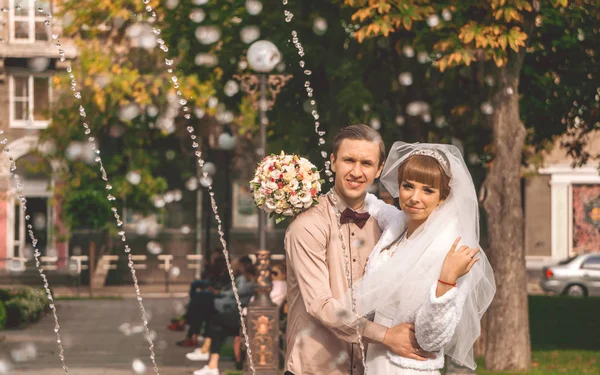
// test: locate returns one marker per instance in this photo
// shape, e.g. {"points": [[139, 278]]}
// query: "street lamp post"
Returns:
{"points": [[263, 56], [227, 143], [263, 314]]}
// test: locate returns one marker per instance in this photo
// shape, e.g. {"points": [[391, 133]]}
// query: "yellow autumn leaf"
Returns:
{"points": [[500, 60], [467, 57], [467, 33], [360, 35], [385, 29], [454, 58], [512, 14], [516, 38], [481, 41], [361, 14], [443, 45], [442, 63], [503, 41], [384, 7], [373, 29], [523, 5]]}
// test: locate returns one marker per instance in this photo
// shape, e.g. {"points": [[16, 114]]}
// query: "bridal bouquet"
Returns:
{"points": [[285, 185]]}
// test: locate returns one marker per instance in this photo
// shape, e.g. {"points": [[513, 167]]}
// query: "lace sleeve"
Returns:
{"points": [[437, 319]]}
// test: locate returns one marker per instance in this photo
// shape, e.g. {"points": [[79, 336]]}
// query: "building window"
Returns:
{"points": [[29, 101], [27, 23]]}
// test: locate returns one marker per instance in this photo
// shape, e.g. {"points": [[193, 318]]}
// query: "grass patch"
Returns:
{"points": [[565, 337]]}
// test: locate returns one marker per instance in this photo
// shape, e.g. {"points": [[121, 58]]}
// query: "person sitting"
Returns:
{"points": [[179, 323], [225, 325], [202, 297]]}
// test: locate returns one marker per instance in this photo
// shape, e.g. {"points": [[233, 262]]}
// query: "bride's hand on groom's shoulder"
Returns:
{"points": [[458, 262], [401, 340]]}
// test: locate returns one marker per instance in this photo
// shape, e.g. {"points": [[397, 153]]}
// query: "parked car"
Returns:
{"points": [[577, 276]]}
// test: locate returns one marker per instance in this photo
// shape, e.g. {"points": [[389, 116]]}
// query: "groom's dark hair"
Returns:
{"points": [[359, 132]]}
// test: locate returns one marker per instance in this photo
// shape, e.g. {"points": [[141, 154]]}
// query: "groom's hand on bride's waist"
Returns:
{"points": [[401, 340]]}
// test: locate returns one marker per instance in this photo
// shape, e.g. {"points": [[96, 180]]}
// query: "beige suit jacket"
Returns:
{"points": [[321, 334]]}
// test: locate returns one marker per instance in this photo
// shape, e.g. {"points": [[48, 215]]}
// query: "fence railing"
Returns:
{"points": [[107, 269]]}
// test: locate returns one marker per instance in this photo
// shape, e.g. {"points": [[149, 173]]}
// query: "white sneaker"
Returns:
{"points": [[207, 371], [197, 355]]}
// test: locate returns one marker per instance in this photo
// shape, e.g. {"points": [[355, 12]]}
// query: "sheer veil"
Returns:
{"points": [[416, 264]]}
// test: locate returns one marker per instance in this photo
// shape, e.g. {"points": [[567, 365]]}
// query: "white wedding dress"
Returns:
{"points": [[400, 281], [435, 318]]}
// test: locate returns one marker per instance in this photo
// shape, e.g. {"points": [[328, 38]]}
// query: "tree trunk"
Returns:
{"points": [[481, 343], [508, 342]]}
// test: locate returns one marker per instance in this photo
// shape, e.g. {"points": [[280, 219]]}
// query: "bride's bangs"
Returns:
{"points": [[425, 170]]}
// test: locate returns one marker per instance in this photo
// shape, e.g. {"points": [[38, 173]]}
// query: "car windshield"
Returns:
{"points": [[567, 261]]}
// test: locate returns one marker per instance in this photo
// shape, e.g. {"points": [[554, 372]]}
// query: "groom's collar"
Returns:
{"points": [[342, 205]]}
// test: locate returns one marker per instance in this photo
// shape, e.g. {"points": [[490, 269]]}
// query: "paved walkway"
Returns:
{"points": [[94, 335]]}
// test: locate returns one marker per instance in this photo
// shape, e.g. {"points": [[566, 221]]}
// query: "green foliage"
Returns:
{"points": [[5, 295], [2, 315], [25, 305], [565, 336], [558, 81], [112, 73], [338, 65], [562, 322], [83, 202], [560, 78], [555, 362], [21, 311]]}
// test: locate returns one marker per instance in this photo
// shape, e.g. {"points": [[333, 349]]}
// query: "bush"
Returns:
{"points": [[2, 315], [25, 305], [5, 295], [21, 310]]}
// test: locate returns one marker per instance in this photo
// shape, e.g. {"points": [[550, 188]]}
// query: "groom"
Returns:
{"points": [[321, 334]]}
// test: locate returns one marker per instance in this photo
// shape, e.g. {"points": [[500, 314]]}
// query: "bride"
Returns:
{"points": [[412, 278]]}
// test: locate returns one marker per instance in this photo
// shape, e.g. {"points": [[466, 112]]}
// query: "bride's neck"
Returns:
{"points": [[413, 225]]}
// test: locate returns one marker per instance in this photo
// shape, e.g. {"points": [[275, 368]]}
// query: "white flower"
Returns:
{"points": [[270, 204], [288, 212], [305, 197], [275, 174], [272, 186], [295, 200], [288, 173], [279, 195], [308, 204], [293, 184]]}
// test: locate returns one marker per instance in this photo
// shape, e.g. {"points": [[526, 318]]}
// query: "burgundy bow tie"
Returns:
{"points": [[351, 216]]}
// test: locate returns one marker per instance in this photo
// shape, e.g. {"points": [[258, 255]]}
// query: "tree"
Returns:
{"points": [[331, 53], [490, 38], [125, 105]]}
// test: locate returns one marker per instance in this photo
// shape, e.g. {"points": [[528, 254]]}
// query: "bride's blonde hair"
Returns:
{"points": [[426, 170]]}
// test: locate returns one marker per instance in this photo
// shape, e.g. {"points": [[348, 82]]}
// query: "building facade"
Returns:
{"points": [[28, 60], [562, 208]]}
